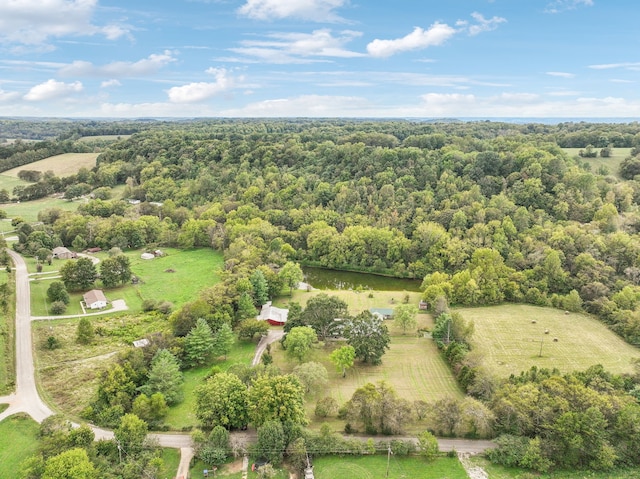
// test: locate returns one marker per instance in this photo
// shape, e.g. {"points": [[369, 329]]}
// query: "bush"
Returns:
{"points": [[57, 307], [326, 406], [149, 305], [52, 343], [165, 307]]}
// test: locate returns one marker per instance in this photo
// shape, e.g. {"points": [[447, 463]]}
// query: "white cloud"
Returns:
{"points": [[561, 74], [557, 6], [110, 83], [419, 39], [299, 47], [52, 89], [305, 105], [8, 96], [146, 66], [200, 91], [484, 24], [634, 66], [312, 10], [564, 93], [619, 80], [33, 22]]}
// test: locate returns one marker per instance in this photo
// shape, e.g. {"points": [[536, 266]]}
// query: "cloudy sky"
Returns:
{"points": [[320, 58]]}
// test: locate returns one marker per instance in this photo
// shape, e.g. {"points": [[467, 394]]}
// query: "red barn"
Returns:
{"points": [[275, 316]]}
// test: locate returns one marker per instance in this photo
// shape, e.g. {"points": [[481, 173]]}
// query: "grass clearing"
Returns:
{"points": [[28, 210], [68, 376], [508, 340], [18, 441], [612, 163], [103, 138], [171, 459], [62, 165], [232, 470], [370, 467], [8, 182]]}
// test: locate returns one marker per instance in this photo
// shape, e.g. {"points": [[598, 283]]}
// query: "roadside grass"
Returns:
{"points": [[369, 467], [18, 441], [3, 407], [508, 340], [28, 210], [62, 165], [182, 416], [6, 228], [495, 471], [612, 163], [413, 365], [171, 459], [68, 376], [40, 304], [7, 334]]}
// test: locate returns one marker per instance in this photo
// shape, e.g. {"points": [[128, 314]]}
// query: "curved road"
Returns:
{"points": [[26, 398]]}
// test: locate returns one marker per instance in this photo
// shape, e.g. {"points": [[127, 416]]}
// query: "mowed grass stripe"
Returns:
{"points": [[510, 342]]}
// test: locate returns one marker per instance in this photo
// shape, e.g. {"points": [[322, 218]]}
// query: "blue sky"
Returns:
{"points": [[320, 58]]}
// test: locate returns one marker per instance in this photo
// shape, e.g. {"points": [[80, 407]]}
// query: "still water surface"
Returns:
{"points": [[321, 278]]}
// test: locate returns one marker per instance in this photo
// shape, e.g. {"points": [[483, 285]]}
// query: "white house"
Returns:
{"points": [[275, 316], [95, 299]]}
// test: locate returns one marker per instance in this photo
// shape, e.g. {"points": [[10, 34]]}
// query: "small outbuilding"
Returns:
{"points": [[384, 313], [60, 252], [423, 305], [95, 299], [274, 316]]}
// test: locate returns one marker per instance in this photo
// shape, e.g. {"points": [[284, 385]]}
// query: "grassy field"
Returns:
{"points": [[510, 342], [62, 165], [232, 470], [28, 210], [612, 163], [499, 472], [18, 440], [370, 467], [68, 376], [8, 182], [103, 138]]}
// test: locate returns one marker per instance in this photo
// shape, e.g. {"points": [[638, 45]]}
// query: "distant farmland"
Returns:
{"points": [[509, 341], [62, 165], [612, 163]]}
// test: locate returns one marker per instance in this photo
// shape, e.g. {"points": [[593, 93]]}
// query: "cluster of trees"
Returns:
{"points": [[583, 420], [70, 452]]}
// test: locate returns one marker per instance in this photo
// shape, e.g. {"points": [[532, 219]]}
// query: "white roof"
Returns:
{"points": [[271, 312]]}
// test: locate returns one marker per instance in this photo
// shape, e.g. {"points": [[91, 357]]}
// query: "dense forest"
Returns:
{"points": [[482, 212]]}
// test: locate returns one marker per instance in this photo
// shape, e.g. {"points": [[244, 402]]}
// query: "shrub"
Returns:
{"points": [[149, 305], [52, 343], [57, 307], [326, 406]]}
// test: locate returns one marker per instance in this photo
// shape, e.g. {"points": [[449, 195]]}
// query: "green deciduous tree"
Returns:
{"points": [[71, 464], [57, 292], [249, 328], [131, 434], [222, 400], [428, 446], [278, 398], [321, 313], [404, 316], [150, 409], [299, 341], [291, 274], [368, 336], [271, 441], [115, 270], [313, 376], [343, 358], [78, 274]]}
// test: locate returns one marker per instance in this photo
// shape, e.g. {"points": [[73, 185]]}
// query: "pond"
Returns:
{"points": [[321, 278]]}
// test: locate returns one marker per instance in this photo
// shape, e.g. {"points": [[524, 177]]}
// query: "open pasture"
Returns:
{"points": [[62, 165], [612, 163], [8, 182], [28, 210], [510, 338], [18, 440]]}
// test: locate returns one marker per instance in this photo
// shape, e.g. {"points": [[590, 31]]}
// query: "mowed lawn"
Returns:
{"points": [[510, 342], [28, 210], [372, 467], [62, 165], [8, 182], [18, 441]]}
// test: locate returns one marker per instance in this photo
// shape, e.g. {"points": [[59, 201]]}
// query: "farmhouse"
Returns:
{"points": [[61, 252], [95, 299], [384, 313], [274, 316]]}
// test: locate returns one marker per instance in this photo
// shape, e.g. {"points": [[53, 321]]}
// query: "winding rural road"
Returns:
{"points": [[26, 398]]}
